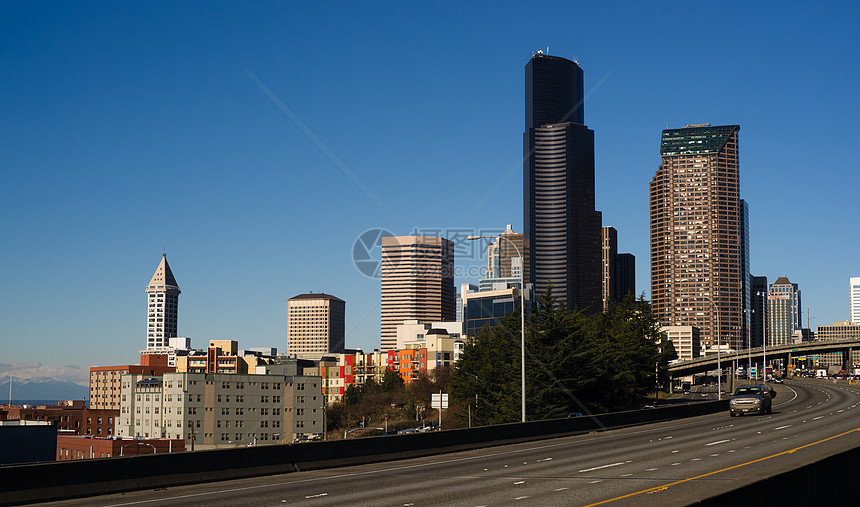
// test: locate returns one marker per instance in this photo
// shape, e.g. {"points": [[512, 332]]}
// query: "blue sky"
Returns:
{"points": [[135, 129]]}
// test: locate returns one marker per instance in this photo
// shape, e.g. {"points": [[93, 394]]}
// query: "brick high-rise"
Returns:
{"points": [[696, 233]]}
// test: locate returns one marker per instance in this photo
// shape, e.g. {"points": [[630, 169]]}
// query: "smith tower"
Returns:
{"points": [[561, 228], [162, 299]]}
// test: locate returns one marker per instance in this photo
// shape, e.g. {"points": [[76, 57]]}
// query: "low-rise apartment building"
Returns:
{"points": [[216, 409]]}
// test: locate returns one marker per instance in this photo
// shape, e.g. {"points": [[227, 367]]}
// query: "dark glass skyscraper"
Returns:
{"points": [[561, 228]]}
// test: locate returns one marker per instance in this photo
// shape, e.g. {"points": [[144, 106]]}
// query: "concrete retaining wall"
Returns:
{"points": [[82, 478]]}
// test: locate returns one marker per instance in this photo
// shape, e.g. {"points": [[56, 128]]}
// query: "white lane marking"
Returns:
{"points": [[714, 455], [520, 482], [520, 498], [840, 411], [626, 475], [718, 442], [675, 464], [603, 466], [651, 469], [696, 459], [317, 496], [667, 438], [594, 482], [673, 452], [560, 489], [817, 418], [782, 427]]}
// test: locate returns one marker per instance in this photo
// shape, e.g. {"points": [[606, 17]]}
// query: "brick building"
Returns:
{"points": [[87, 447], [68, 415]]}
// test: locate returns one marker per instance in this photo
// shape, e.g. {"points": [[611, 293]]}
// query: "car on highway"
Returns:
{"points": [[751, 398]]}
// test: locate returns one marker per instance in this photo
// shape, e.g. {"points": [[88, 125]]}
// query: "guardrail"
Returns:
{"points": [[82, 478]]}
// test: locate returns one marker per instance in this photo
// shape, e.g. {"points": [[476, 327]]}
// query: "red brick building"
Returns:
{"points": [[68, 415], [86, 447]]}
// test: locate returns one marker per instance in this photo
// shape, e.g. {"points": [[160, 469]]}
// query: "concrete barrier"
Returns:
{"points": [[82, 478]]}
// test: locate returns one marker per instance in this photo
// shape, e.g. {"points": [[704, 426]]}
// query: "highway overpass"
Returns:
{"points": [[743, 358]]}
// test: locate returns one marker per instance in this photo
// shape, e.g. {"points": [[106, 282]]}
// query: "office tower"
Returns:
{"points": [[465, 288], [744, 215], [696, 233], [625, 271], [619, 270], [162, 306], [610, 251], [784, 316], [504, 259], [854, 295], [417, 283], [489, 307], [758, 310], [315, 323], [561, 228]]}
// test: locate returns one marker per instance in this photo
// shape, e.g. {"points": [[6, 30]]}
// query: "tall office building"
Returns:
{"points": [[746, 290], [784, 315], [854, 298], [315, 323], [619, 270], [696, 233], [561, 228], [758, 310], [417, 283], [162, 299]]}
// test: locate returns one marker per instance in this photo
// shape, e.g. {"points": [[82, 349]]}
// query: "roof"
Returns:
{"points": [[318, 295], [696, 139], [782, 281], [436, 330], [163, 275]]}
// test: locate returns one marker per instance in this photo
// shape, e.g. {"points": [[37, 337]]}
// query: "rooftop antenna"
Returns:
{"points": [[547, 50]]}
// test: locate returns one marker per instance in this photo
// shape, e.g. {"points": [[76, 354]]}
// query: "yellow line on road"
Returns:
{"points": [[667, 486]]}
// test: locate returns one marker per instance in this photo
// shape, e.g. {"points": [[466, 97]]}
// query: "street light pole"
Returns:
{"points": [[522, 318]]}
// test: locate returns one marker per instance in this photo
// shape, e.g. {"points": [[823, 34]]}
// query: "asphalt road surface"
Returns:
{"points": [[672, 463]]}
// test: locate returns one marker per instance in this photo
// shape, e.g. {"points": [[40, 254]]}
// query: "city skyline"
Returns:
{"points": [[234, 140]]}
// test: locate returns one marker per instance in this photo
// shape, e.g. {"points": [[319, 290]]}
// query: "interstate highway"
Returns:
{"points": [[670, 463]]}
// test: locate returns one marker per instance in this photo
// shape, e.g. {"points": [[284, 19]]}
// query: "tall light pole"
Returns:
{"points": [[764, 343], [522, 317]]}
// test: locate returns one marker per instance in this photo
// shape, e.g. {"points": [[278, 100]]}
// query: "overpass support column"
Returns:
{"points": [[846, 360]]}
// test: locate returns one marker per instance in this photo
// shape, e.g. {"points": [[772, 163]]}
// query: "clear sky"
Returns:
{"points": [[133, 129]]}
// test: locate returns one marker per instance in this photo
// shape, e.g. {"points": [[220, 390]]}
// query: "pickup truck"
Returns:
{"points": [[753, 398]]}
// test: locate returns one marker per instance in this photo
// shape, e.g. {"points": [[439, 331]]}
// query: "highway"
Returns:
{"points": [[670, 463]]}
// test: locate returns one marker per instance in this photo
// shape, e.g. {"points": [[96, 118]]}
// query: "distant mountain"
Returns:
{"points": [[43, 390]]}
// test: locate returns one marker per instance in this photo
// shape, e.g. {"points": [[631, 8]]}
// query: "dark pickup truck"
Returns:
{"points": [[754, 398]]}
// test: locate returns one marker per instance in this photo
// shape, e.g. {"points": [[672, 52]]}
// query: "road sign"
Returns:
{"points": [[439, 400]]}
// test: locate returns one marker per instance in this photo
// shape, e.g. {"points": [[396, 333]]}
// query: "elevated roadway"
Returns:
{"points": [[671, 463], [745, 357]]}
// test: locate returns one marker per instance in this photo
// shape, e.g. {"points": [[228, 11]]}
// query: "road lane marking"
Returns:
{"points": [[817, 418], [651, 469], [603, 466], [521, 498], [782, 427], [759, 460], [560, 489], [317, 496], [718, 442]]}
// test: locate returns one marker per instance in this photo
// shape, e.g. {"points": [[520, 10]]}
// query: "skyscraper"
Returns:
{"points": [[854, 298], [315, 323], [758, 310], [784, 315], [417, 283], [696, 233], [561, 228], [162, 306]]}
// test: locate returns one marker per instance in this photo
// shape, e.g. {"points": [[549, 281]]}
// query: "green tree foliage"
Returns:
{"points": [[574, 362], [391, 381]]}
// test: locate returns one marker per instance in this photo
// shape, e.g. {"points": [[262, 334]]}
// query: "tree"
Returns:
{"points": [[391, 381]]}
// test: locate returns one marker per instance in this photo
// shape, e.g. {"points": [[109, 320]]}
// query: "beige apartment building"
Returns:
{"points": [[221, 410], [315, 324], [696, 251], [840, 330], [685, 339], [417, 283]]}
